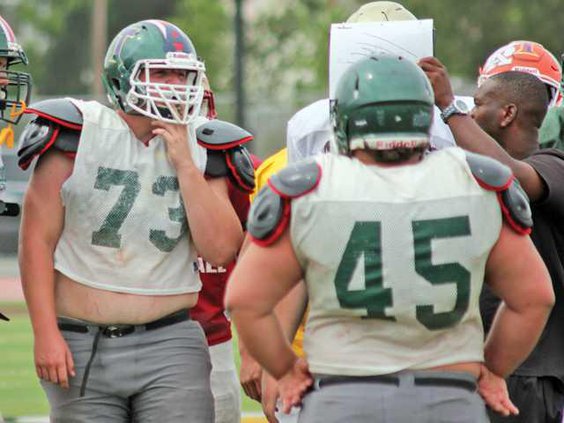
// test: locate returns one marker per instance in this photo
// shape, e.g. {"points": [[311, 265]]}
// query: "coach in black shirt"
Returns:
{"points": [[509, 109]]}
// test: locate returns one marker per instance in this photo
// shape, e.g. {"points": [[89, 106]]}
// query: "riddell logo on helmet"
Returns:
{"points": [[179, 55], [386, 144], [526, 69], [393, 144]]}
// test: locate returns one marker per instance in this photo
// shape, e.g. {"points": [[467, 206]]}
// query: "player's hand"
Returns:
{"points": [[493, 390], [53, 359], [438, 75], [250, 376], [176, 138], [269, 397], [294, 384]]}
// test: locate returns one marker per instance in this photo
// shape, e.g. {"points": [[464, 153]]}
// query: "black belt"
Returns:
{"points": [[117, 331], [419, 380]]}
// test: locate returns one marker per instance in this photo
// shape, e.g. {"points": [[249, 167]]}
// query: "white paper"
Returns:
{"points": [[350, 42]]}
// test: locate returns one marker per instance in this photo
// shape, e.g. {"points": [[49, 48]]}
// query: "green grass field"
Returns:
{"points": [[20, 392]]}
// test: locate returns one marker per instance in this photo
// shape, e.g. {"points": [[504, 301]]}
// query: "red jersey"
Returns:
{"points": [[209, 311]]}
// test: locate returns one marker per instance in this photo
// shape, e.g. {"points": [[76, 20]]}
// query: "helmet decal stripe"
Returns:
{"points": [[7, 30], [161, 25], [122, 38]]}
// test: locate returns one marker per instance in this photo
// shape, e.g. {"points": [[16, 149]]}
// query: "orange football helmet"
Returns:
{"points": [[526, 56]]}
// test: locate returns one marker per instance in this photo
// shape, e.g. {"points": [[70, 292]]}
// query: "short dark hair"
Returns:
{"points": [[526, 91]]}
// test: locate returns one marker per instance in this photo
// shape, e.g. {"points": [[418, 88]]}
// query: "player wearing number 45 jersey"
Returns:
{"points": [[394, 246], [120, 203]]}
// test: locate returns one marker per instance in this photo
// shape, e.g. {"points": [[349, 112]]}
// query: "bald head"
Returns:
{"points": [[524, 90]]}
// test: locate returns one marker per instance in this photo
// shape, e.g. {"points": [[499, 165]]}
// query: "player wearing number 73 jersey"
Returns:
{"points": [[394, 245], [120, 203]]}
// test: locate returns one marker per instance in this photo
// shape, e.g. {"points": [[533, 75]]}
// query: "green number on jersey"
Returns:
{"points": [[158, 237], [107, 235], [365, 242], [424, 231]]}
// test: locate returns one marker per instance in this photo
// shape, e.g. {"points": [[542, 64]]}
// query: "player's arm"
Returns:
{"points": [[470, 136], [214, 225], [252, 296], [516, 273], [52, 138], [289, 311], [41, 227]]}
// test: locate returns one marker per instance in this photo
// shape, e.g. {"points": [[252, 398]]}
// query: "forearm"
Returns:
{"points": [[38, 282], [512, 337], [290, 310], [471, 137], [265, 341], [214, 225]]}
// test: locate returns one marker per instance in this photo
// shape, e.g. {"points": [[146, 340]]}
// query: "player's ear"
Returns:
{"points": [[509, 114]]}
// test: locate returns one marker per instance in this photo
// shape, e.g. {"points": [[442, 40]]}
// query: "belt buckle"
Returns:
{"points": [[114, 331]]}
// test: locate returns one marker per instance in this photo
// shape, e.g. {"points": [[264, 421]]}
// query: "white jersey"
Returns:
{"points": [[394, 261], [309, 131], [125, 225]]}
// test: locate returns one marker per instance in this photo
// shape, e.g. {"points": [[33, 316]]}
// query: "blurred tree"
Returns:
{"points": [[209, 26], [467, 32], [287, 48], [58, 36], [38, 27], [288, 41], [287, 52]]}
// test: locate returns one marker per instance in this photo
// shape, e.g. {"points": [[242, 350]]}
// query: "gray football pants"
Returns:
{"points": [[162, 375], [403, 402]]}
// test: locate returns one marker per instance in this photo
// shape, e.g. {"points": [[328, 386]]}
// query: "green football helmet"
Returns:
{"points": [[153, 45], [15, 87], [384, 102]]}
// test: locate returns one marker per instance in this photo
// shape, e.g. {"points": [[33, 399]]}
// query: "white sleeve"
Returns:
{"points": [[441, 135], [309, 131]]}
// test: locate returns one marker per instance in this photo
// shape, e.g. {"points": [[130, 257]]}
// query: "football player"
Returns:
{"points": [[309, 133], [15, 89], [119, 205], [394, 246]]}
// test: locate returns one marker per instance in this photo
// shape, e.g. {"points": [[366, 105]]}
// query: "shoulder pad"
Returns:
{"points": [[488, 172], [40, 135], [516, 209], [296, 179], [268, 217], [236, 163], [59, 110], [220, 135]]}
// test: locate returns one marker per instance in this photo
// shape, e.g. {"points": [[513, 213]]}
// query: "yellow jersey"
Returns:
{"points": [[269, 167]]}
